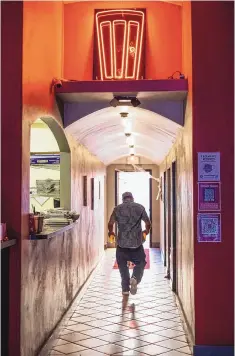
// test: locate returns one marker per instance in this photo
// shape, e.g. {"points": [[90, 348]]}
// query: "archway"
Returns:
{"points": [[50, 167], [103, 133]]}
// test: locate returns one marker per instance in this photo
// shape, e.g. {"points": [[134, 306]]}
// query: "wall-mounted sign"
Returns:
{"points": [[209, 196], [209, 227], [45, 159], [208, 166], [119, 44]]}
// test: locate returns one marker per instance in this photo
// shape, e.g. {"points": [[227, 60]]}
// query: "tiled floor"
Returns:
{"points": [[98, 327]]}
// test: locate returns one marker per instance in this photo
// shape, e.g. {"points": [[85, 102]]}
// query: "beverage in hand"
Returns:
{"points": [[111, 239]]}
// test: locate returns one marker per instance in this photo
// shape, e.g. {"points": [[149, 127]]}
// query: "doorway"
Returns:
{"points": [[164, 203], [140, 185], [168, 224], [173, 264]]}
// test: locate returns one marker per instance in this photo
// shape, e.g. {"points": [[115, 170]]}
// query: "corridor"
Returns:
{"points": [[97, 327]]}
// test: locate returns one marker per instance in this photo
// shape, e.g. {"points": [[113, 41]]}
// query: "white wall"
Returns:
{"points": [[42, 138]]}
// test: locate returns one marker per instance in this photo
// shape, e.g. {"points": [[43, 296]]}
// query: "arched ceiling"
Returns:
{"points": [[102, 132]]}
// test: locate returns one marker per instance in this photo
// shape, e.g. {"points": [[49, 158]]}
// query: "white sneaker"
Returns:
{"points": [[133, 285]]}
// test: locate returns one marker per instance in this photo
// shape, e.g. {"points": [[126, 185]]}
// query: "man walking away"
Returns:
{"points": [[128, 217]]}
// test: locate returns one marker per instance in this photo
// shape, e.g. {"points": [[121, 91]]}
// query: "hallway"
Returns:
{"points": [[96, 326]]}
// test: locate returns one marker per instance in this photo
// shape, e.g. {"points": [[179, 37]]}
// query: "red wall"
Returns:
{"points": [[163, 43], [11, 155], [213, 130]]}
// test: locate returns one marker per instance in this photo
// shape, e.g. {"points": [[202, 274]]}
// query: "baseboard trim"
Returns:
{"points": [[205, 350], [155, 244]]}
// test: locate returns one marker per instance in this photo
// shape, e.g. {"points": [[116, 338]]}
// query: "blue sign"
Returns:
{"points": [[45, 159]]}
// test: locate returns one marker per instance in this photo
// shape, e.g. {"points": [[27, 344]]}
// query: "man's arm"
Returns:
{"points": [[145, 218], [112, 220]]}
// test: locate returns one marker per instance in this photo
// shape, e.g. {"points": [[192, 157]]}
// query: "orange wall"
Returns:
{"points": [[163, 38], [42, 50], [43, 60]]}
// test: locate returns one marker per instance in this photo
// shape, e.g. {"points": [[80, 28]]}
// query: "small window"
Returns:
{"points": [[92, 193], [84, 190]]}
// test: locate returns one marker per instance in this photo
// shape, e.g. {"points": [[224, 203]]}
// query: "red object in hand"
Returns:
{"points": [[3, 231]]}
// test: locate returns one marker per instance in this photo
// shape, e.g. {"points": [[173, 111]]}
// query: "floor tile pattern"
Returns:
{"points": [[149, 326]]}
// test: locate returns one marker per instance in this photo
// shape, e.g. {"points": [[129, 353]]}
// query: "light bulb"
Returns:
{"points": [[128, 126], [132, 150], [123, 109], [130, 141]]}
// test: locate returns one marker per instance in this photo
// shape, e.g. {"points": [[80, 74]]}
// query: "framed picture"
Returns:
{"points": [[48, 188], [92, 193], [84, 187]]}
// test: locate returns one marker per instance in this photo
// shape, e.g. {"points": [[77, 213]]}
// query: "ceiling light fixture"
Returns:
{"points": [[124, 114], [130, 140], [132, 150], [127, 100]]}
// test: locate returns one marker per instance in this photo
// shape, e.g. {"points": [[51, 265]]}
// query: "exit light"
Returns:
{"points": [[119, 44]]}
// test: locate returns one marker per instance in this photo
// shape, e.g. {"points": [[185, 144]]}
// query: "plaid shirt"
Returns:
{"points": [[128, 216]]}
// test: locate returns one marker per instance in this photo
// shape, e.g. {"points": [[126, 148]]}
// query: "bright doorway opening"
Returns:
{"points": [[138, 183]]}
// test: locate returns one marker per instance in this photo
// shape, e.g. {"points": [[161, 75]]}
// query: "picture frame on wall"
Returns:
{"points": [[84, 187], [92, 192]]}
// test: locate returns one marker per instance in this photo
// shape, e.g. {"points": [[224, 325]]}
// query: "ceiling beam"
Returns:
{"points": [[178, 3]]}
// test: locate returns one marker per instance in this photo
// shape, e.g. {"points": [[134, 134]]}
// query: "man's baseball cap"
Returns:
{"points": [[127, 195]]}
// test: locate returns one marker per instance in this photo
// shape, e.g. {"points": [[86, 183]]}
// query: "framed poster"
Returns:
{"points": [[208, 166], [92, 192], [209, 196], [48, 188], [209, 227], [84, 187]]}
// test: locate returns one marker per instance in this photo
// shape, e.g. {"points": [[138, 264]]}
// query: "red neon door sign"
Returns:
{"points": [[119, 43]]}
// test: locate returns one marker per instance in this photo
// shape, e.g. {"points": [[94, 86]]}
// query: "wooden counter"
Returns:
{"points": [[49, 231], [9, 243]]}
